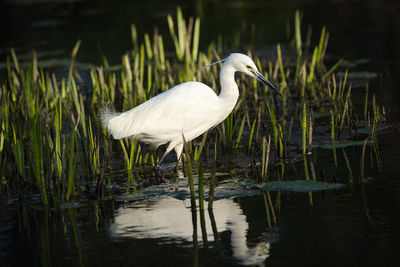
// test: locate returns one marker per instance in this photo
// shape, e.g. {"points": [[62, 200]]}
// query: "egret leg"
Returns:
{"points": [[169, 148], [178, 150]]}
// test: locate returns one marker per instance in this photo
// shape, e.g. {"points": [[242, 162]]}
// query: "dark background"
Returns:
{"points": [[358, 29], [366, 31]]}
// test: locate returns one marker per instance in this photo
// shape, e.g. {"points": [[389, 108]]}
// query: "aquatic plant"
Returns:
{"points": [[51, 141]]}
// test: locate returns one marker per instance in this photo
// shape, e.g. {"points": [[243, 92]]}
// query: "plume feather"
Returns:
{"points": [[209, 65], [106, 115]]}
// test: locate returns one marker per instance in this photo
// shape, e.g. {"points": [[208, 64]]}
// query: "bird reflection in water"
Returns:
{"points": [[170, 219]]}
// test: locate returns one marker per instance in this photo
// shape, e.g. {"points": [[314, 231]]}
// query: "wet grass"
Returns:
{"points": [[51, 141]]}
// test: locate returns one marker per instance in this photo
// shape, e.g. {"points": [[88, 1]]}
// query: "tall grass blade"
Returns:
{"points": [[71, 168]]}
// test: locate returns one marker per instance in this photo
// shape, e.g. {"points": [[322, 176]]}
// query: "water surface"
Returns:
{"points": [[356, 225]]}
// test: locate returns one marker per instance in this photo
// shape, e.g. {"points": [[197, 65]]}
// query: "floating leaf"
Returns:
{"points": [[181, 191], [359, 75], [226, 190], [352, 64], [348, 143], [70, 205], [232, 190], [157, 192], [318, 115], [248, 183], [300, 186], [366, 130]]}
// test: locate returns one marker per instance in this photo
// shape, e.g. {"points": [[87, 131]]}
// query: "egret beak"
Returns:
{"points": [[262, 79]]}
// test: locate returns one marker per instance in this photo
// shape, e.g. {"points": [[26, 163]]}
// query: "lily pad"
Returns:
{"points": [[366, 130], [69, 205], [348, 143], [359, 75], [226, 190], [232, 190], [352, 64], [248, 183], [300, 186], [181, 192], [156, 192], [318, 115]]}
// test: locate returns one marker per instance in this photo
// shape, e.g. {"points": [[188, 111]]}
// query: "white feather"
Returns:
{"points": [[106, 115], [188, 109]]}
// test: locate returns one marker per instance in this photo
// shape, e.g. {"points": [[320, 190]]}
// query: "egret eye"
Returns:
{"points": [[249, 67]]}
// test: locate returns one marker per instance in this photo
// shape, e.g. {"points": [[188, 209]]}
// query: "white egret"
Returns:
{"points": [[186, 110]]}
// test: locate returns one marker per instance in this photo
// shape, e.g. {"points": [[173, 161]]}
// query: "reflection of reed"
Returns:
{"points": [[365, 202], [77, 236], [310, 198], [362, 161], [195, 240], [351, 177], [214, 230], [44, 240], [213, 183]]}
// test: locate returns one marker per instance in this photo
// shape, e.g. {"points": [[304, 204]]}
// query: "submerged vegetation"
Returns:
{"points": [[52, 144]]}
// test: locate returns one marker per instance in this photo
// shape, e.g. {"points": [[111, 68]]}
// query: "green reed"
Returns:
{"points": [[282, 73], [182, 38], [304, 128], [19, 154], [199, 149], [322, 46], [201, 186], [71, 168], [58, 141], [266, 149], [228, 130], [189, 173], [37, 157], [299, 48], [129, 158], [62, 115], [273, 121], [251, 135]]}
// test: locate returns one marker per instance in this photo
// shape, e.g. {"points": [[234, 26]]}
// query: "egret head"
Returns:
{"points": [[245, 64]]}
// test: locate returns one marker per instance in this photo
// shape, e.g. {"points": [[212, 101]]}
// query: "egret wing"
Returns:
{"points": [[165, 117]]}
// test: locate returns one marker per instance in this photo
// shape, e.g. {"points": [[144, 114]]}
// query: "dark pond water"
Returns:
{"points": [[353, 226], [357, 225]]}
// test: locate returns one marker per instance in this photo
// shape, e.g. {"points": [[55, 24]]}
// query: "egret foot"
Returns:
{"points": [[165, 166]]}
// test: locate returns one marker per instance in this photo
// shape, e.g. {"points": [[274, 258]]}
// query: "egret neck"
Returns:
{"points": [[229, 90]]}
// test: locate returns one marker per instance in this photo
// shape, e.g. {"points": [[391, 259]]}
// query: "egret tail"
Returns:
{"points": [[106, 114]]}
